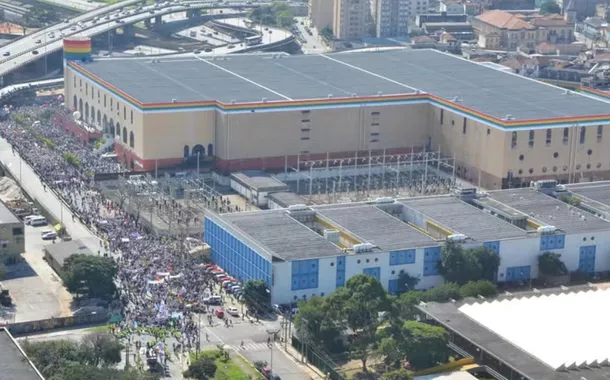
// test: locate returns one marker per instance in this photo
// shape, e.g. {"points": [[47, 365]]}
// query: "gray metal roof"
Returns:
{"points": [[550, 211], [449, 316], [282, 235], [14, 365], [259, 180], [493, 92], [61, 251], [599, 192], [250, 78], [287, 198], [377, 227], [7, 216], [464, 218]]}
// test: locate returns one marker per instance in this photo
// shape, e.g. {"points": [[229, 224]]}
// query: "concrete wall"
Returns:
{"points": [[12, 240]]}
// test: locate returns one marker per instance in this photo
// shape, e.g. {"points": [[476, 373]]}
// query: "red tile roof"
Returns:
{"points": [[504, 20]]}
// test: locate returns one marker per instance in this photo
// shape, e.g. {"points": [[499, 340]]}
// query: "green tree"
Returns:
{"points": [[327, 33], [442, 293], [399, 374], [478, 288], [100, 349], [461, 265], [550, 264], [256, 296], [424, 345], [360, 302], [317, 321], [203, 368], [549, 6], [406, 282], [403, 307], [91, 275]]}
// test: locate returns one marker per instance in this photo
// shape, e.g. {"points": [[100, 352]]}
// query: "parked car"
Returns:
{"points": [[233, 311], [6, 53], [220, 313], [213, 300], [49, 235]]}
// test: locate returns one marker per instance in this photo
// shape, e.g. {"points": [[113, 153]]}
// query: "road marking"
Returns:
{"points": [[214, 335], [243, 78]]}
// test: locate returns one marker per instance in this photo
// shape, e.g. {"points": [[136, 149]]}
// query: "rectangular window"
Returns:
{"points": [[304, 138], [305, 118], [549, 136], [513, 140], [600, 132], [74, 84], [442, 116], [374, 118], [111, 105], [583, 135], [124, 113], [305, 129], [531, 139], [464, 126], [566, 133], [131, 116], [86, 89], [17, 231], [402, 257], [104, 100], [80, 83]]}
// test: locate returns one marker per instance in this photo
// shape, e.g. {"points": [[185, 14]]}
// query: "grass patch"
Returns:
{"points": [[228, 368], [100, 328]]}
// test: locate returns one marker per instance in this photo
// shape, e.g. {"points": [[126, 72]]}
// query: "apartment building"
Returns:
{"points": [[350, 19], [321, 13], [391, 16]]}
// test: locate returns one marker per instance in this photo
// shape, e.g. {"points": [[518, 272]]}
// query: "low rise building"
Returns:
{"points": [[14, 363], [502, 30], [12, 237], [304, 251]]}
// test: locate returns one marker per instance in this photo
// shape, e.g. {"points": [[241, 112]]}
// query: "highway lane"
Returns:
{"points": [[23, 46], [31, 48]]}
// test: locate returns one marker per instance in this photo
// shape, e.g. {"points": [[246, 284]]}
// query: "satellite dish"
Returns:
{"points": [[76, 115]]}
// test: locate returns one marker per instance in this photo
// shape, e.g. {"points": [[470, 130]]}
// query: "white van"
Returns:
{"points": [[38, 221]]}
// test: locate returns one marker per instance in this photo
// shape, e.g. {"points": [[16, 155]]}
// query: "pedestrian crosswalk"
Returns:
{"points": [[253, 346]]}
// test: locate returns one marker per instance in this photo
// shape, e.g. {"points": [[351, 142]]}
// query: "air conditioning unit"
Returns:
{"points": [[382, 200], [457, 237], [299, 207], [544, 230], [362, 248]]}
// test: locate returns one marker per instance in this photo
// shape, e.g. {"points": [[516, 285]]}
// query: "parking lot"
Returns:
{"points": [[37, 291]]}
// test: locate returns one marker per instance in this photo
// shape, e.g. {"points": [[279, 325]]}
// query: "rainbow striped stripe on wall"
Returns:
{"points": [[77, 49]]}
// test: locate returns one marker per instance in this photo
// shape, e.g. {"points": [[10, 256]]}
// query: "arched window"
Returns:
{"points": [[80, 107], [198, 151], [131, 116], [131, 138], [99, 117], [86, 110], [75, 104], [92, 113], [118, 128], [124, 135], [186, 152], [210, 149]]}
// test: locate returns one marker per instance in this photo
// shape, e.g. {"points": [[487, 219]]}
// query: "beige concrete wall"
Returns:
{"points": [[252, 135], [166, 134], [11, 244], [117, 111], [480, 147], [561, 158]]}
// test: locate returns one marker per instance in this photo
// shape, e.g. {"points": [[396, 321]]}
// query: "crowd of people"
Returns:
{"points": [[158, 280]]}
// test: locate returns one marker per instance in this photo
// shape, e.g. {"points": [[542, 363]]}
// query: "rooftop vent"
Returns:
{"points": [[457, 237], [382, 200], [362, 248], [545, 230], [174, 100]]}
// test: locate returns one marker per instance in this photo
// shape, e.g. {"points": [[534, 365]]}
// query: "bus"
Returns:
{"points": [[254, 40]]}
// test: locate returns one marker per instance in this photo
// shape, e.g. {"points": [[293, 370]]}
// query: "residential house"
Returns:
{"points": [[573, 49], [524, 32]]}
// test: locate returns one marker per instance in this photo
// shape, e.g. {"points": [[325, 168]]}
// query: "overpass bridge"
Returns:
{"points": [[46, 41]]}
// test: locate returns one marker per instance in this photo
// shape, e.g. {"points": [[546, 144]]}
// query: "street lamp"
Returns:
{"points": [[272, 332]]}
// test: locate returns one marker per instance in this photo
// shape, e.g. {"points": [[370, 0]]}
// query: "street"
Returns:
{"points": [[254, 335]]}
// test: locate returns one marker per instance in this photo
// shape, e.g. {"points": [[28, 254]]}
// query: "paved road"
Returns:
{"points": [[23, 173], [49, 40]]}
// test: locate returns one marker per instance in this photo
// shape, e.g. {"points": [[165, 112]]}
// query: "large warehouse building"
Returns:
{"points": [[305, 251], [263, 111]]}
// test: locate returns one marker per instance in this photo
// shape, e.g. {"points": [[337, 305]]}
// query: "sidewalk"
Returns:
{"points": [[295, 356], [32, 185]]}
